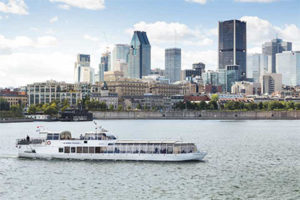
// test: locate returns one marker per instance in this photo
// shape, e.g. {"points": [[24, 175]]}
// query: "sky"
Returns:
{"points": [[39, 39]]}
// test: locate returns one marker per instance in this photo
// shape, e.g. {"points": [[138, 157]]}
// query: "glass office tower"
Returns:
{"points": [[139, 58], [173, 64], [233, 45]]}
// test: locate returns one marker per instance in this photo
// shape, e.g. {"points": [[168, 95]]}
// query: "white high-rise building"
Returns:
{"points": [[83, 73], [288, 64], [173, 64], [119, 55]]}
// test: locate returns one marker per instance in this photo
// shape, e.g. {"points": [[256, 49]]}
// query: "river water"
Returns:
{"points": [[246, 160]]}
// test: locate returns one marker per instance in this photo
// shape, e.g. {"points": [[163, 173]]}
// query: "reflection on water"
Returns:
{"points": [[246, 159]]}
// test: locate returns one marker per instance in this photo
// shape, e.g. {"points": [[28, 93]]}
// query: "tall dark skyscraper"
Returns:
{"points": [[273, 47], [233, 45], [139, 58]]}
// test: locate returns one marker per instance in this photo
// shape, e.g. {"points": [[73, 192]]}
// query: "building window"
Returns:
{"points": [[60, 150], [72, 149]]}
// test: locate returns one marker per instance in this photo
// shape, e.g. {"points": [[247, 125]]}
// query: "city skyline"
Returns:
{"points": [[41, 39]]}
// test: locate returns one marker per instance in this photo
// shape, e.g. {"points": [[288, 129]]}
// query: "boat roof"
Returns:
{"points": [[152, 142]]}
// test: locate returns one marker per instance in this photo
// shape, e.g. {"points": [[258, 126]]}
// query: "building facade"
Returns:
{"points": [[139, 58], [253, 66], [120, 55], [272, 48], [288, 64], [233, 45], [46, 92], [105, 61], [83, 73], [173, 64], [271, 83], [242, 87]]}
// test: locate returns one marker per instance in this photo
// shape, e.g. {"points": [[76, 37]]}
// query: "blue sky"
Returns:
{"points": [[39, 39]]}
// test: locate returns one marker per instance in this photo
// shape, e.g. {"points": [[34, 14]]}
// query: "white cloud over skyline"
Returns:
{"points": [[25, 59], [85, 4], [14, 7]]}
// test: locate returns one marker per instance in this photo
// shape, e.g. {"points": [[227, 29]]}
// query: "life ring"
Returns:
{"points": [[48, 142]]}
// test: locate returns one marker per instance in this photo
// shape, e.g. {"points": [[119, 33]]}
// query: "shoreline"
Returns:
{"points": [[198, 115]]}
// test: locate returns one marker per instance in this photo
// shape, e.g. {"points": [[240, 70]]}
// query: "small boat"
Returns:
{"points": [[100, 145]]}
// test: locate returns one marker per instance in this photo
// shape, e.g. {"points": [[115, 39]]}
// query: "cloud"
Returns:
{"points": [[19, 69], [256, 1], [163, 32], [8, 45], [260, 31], [64, 6], [197, 1], [85, 4], [53, 19], [91, 38], [14, 7]]}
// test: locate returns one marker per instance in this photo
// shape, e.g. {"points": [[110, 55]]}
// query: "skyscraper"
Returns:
{"points": [[139, 59], [273, 47], [173, 64], [253, 66], [288, 64], [120, 55], [105, 61], [233, 45], [83, 73]]}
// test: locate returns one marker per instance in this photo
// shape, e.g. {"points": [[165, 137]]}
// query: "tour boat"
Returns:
{"points": [[100, 145]]}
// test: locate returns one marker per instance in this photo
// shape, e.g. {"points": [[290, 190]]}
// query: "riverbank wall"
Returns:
{"points": [[15, 120], [201, 115]]}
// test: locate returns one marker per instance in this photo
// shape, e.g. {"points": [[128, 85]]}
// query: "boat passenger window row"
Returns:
{"points": [[133, 148], [51, 136]]}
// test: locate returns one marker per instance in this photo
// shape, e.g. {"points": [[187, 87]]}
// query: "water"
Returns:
{"points": [[246, 160]]}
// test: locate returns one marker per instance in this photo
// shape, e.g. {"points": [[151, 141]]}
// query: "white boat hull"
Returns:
{"points": [[46, 153]]}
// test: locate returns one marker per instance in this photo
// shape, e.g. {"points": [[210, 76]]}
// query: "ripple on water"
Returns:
{"points": [[246, 160]]}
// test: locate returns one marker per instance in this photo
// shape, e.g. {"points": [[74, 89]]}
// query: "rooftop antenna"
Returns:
{"points": [[175, 38]]}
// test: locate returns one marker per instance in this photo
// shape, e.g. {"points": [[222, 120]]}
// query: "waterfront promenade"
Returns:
{"points": [[201, 115]]}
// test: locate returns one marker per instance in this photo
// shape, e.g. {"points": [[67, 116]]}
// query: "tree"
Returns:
{"points": [[214, 97], [212, 105], [120, 107], [32, 109], [111, 107], [202, 105], [4, 105], [139, 106]]}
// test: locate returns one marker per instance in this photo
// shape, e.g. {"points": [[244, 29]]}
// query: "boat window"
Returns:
{"points": [[60, 150], [110, 149], [49, 136], [143, 148], [102, 149], [97, 150], [156, 148], [117, 150], [85, 150], [56, 137], [122, 148], [163, 148], [72, 149], [91, 149], [177, 149], [67, 149], [170, 149], [151, 148], [136, 148], [129, 148], [79, 149]]}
